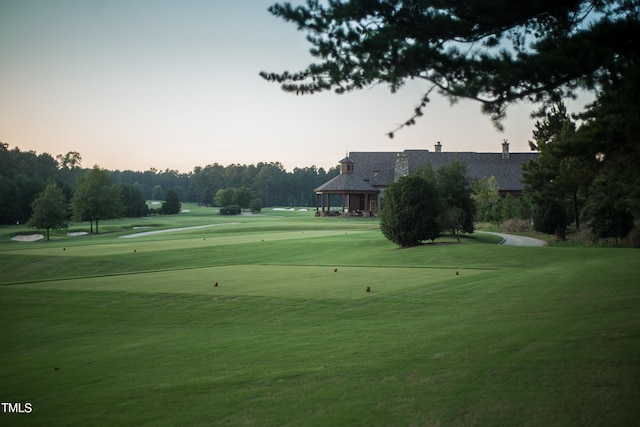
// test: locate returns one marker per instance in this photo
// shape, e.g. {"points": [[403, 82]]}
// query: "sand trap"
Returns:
{"points": [[27, 237], [77, 233], [169, 230]]}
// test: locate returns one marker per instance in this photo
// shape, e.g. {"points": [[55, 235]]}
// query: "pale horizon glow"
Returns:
{"points": [[175, 85]]}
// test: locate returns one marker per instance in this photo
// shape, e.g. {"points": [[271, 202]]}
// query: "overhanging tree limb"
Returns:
{"points": [[494, 51]]}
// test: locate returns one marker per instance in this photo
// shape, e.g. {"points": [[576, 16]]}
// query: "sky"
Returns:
{"points": [[141, 84]]}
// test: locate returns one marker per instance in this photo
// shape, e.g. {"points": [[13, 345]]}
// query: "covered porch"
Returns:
{"points": [[363, 204]]}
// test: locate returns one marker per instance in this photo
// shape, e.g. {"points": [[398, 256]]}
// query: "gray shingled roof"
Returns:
{"points": [[377, 168], [346, 183]]}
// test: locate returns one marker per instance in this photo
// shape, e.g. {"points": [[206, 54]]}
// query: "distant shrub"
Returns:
{"points": [[230, 210], [255, 205], [515, 225], [634, 237]]}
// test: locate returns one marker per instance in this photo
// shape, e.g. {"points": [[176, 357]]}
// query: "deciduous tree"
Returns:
{"points": [[133, 202], [455, 198], [49, 210], [96, 198], [486, 195]]}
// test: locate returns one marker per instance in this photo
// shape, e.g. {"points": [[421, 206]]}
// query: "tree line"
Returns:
{"points": [[24, 175]]}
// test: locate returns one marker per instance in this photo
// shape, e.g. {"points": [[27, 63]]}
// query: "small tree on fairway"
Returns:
{"points": [[255, 205], [410, 211], [455, 196], [96, 197], [242, 197], [225, 197], [172, 204], [49, 210]]}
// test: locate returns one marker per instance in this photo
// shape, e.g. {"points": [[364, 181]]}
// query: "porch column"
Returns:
{"points": [[366, 204]]}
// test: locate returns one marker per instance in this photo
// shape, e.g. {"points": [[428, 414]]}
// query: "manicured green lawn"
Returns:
{"points": [[103, 330]]}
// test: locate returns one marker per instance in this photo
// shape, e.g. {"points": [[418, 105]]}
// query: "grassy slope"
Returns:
{"points": [[521, 336]]}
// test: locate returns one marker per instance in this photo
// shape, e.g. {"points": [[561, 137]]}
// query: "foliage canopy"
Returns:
{"points": [[96, 197], [172, 203], [410, 211], [49, 210], [496, 52]]}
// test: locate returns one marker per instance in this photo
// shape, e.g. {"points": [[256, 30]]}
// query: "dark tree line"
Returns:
{"points": [[270, 182], [24, 175], [587, 168]]}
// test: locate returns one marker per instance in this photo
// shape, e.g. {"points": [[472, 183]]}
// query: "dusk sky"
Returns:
{"points": [[136, 84]]}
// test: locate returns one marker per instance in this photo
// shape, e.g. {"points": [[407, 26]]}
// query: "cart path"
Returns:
{"points": [[169, 230], [513, 240]]}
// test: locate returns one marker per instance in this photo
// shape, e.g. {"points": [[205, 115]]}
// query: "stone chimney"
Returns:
{"points": [[438, 147], [402, 166], [505, 149]]}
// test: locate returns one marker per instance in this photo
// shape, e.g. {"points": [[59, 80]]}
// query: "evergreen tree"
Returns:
{"points": [[495, 52], [607, 211], [172, 203], [410, 211], [557, 176]]}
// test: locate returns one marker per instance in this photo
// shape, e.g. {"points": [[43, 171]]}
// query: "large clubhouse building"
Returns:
{"points": [[364, 175]]}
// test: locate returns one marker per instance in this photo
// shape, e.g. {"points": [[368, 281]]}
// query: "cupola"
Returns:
{"points": [[347, 166]]}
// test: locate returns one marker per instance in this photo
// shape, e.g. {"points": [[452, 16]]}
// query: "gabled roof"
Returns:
{"points": [[346, 183], [378, 168]]}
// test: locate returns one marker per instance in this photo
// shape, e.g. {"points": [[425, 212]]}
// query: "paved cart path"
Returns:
{"points": [[513, 240]]}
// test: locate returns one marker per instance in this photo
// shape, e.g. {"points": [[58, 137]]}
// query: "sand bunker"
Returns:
{"points": [[27, 237]]}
